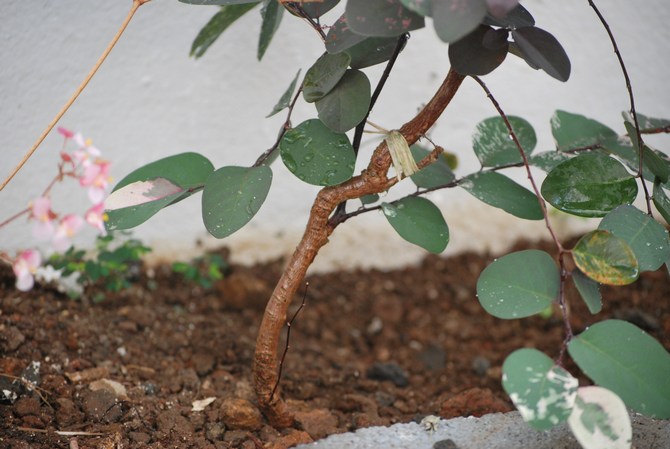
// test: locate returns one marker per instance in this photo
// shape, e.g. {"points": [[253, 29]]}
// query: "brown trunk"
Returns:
{"points": [[373, 180]]}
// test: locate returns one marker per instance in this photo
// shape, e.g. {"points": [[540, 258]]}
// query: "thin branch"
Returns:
{"points": [[64, 433], [629, 88], [285, 127], [297, 9], [660, 130], [545, 214], [289, 323], [79, 90]]}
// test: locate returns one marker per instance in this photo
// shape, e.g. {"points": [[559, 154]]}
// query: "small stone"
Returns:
{"points": [[203, 363], [445, 444], [101, 406], [433, 357], [235, 437], [241, 414], [317, 423], [11, 338], [214, 431], [88, 375], [480, 365], [140, 437], [114, 387], [292, 438], [172, 421], [27, 406], [67, 413], [388, 371]]}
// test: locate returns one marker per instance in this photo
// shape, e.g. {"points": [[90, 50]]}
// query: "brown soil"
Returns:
{"points": [[369, 348]]}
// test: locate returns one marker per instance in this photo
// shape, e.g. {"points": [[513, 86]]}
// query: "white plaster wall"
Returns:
{"points": [[151, 100]]}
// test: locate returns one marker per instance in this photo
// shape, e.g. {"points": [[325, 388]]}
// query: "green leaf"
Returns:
{"points": [[548, 160], [657, 163], [436, 174], [232, 196], [600, 419], [271, 13], [316, 9], [317, 155], [340, 37], [606, 258], [217, 25], [647, 238], [651, 123], [589, 290], [589, 185], [623, 358], [422, 7], [518, 284], [576, 131], [218, 2], [187, 170], [454, 19], [493, 145], [661, 201], [544, 393], [285, 99], [381, 18], [499, 191], [371, 51], [516, 18], [479, 52], [324, 75], [346, 105], [540, 48], [369, 199], [418, 221]]}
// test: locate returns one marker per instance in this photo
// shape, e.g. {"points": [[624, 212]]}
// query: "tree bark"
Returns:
{"points": [[372, 180]]}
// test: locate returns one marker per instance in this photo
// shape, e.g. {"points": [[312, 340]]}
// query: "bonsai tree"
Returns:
{"points": [[594, 172]]}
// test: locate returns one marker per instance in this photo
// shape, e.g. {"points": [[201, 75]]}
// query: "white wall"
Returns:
{"points": [[151, 100]]}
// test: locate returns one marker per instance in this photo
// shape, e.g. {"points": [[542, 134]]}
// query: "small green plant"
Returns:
{"points": [[204, 270], [112, 266]]}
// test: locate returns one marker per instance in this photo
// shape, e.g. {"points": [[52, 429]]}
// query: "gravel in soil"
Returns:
{"points": [[369, 348]]}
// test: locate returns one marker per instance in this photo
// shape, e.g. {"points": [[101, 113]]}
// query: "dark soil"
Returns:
{"points": [[369, 348]]}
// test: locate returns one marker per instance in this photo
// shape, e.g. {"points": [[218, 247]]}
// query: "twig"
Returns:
{"points": [[77, 92], [64, 433], [285, 127], [288, 338], [629, 88], [545, 214]]}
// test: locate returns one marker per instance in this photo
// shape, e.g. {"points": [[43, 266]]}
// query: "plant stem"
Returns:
{"points": [[285, 127], [629, 88], [77, 92], [370, 181]]}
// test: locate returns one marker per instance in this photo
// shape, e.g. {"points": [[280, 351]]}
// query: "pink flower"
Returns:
{"points": [[67, 228], [96, 178], [65, 132], [97, 217], [24, 266], [86, 153], [43, 215]]}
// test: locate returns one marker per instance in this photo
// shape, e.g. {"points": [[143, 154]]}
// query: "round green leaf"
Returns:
{"points": [[382, 18], [317, 9], [324, 75], [317, 155], [436, 174], [480, 52], [340, 37], [548, 160], [516, 18], [647, 237], [501, 192], [543, 392], [423, 7], [493, 145], [346, 105], [600, 420], [232, 196], [454, 19], [373, 50], [606, 258], [518, 284], [589, 290], [542, 49], [418, 221], [589, 185], [576, 131], [623, 358]]}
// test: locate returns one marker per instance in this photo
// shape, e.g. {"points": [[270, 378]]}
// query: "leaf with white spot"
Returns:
{"points": [[600, 420], [141, 192], [544, 393]]}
